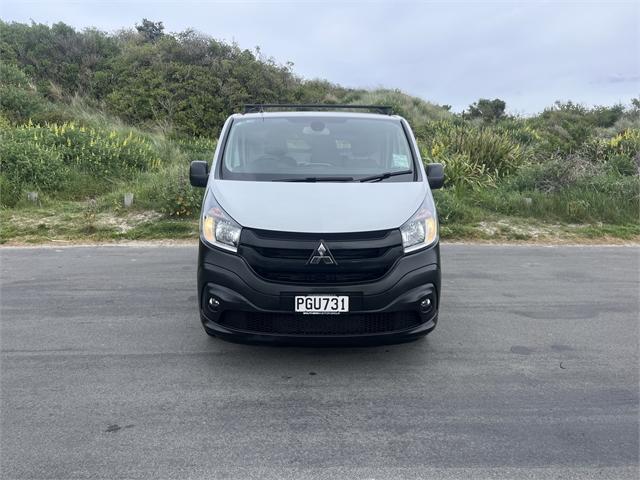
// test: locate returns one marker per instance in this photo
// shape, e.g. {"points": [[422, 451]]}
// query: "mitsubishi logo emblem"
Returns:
{"points": [[321, 255]]}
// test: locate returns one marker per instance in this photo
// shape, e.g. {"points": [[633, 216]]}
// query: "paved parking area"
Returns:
{"points": [[531, 373]]}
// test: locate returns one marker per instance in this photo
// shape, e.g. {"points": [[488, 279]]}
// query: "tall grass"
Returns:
{"points": [[603, 199], [414, 109]]}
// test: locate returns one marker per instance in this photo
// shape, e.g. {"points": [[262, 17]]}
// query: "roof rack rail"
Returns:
{"points": [[261, 107]]}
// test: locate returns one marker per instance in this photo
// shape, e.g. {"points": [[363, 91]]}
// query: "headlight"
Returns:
{"points": [[217, 227], [421, 230]]}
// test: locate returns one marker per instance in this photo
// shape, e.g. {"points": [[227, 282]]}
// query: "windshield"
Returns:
{"points": [[306, 148]]}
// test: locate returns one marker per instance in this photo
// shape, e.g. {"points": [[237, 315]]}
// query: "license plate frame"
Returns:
{"points": [[321, 304]]}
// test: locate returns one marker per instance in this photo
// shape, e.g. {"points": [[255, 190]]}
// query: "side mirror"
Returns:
{"points": [[199, 173], [435, 175]]}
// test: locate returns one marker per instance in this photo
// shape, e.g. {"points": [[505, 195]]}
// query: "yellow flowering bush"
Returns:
{"points": [[100, 152], [626, 143], [43, 156]]}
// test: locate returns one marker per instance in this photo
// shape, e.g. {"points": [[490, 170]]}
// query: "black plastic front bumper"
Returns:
{"points": [[240, 291]]}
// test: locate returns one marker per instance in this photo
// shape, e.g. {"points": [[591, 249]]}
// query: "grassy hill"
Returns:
{"points": [[86, 117]]}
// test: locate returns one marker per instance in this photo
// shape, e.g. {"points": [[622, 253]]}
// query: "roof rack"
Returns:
{"points": [[261, 107]]}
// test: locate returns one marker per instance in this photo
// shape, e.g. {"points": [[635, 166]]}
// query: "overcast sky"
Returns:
{"points": [[527, 53]]}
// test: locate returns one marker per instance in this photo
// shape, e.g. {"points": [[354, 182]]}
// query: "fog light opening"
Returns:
{"points": [[426, 304], [214, 303]]}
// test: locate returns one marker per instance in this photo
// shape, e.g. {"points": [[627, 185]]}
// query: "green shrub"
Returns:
{"points": [[168, 191], [178, 198], [555, 174], [50, 113], [472, 156], [463, 171], [563, 129], [623, 152], [11, 75], [487, 110], [19, 99], [454, 206], [517, 130], [27, 162], [196, 148], [10, 192], [623, 165], [19, 104]]}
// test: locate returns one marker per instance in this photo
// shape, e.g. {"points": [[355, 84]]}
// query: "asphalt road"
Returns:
{"points": [[531, 373]]}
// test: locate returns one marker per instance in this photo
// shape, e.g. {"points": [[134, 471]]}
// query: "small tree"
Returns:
{"points": [[488, 110], [151, 31], [635, 106]]}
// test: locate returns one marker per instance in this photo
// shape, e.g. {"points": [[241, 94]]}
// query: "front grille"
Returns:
{"points": [[307, 277], [282, 256], [298, 324]]}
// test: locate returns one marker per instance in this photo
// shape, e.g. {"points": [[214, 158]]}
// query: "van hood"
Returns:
{"points": [[319, 207]]}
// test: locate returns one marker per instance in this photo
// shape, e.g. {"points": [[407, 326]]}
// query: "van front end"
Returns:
{"points": [[252, 295]]}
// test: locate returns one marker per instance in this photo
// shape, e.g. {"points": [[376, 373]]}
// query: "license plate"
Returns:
{"points": [[322, 304]]}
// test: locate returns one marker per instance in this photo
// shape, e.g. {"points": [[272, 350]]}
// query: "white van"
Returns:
{"points": [[318, 225]]}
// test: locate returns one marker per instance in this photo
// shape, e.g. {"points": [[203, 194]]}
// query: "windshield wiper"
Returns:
{"points": [[315, 179], [382, 176]]}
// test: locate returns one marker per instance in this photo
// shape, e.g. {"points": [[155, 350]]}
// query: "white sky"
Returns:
{"points": [[453, 52]]}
